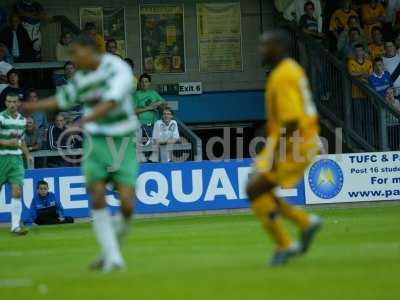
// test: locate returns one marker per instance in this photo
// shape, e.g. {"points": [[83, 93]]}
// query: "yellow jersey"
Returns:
{"points": [[339, 19], [289, 99], [369, 14], [376, 51], [353, 66]]}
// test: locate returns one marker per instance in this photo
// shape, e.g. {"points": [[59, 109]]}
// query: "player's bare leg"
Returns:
{"points": [[265, 207], [16, 210], [103, 228]]}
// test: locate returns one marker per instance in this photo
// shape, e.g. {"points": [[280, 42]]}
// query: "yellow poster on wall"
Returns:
{"points": [[220, 37]]}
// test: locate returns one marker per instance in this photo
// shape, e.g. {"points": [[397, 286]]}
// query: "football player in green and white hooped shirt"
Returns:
{"points": [[104, 87], [12, 146]]}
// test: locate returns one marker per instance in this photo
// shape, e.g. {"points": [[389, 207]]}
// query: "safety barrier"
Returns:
{"points": [[207, 185]]}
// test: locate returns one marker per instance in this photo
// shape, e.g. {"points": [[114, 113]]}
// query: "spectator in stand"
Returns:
{"points": [[380, 80], [17, 40], [282, 5], [373, 14], [33, 138], [391, 98], [90, 28], [147, 103], [5, 67], [58, 139], [165, 132], [308, 21], [344, 36], [13, 87], [348, 49], [46, 209], [69, 72], [397, 43], [296, 10], [63, 48], [393, 125], [376, 48], [63, 53], [3, 18], [7, 57], [339, 19], [396, 19], [360, 67], [32, 14], [112, 47], [392, 8], [132, 65], [391, 61], [39, 117]]}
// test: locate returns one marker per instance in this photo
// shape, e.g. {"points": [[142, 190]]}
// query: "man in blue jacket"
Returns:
{"points": [[46, 209], [380, 80]]}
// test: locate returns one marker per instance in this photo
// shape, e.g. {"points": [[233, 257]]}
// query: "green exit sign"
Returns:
{"points": [[168, 89]]}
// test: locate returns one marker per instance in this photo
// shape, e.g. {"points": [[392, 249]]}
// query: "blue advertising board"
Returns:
{"points": [[161, 188]]}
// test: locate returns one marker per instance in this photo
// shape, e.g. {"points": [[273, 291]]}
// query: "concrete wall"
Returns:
{"points": [[252, 77]]}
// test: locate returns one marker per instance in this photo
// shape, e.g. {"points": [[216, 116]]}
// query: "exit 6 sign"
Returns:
{"points": [[190, 88]]}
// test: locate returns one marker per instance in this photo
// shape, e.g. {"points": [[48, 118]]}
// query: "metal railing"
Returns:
{"points": [[196, 153], [66, 25], [188, 149], [369, 122], [164, 152]]}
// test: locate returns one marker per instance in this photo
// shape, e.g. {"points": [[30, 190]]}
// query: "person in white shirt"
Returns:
{"points": [[296, 10], [392, 123], [392, 8], [391, 61], [165, 132], [4, 67]]}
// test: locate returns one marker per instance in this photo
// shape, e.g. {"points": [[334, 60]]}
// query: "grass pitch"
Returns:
{"points": [[356, 256]]}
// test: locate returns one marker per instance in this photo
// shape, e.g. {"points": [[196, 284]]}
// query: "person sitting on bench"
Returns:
{"points": [[46, 209]]}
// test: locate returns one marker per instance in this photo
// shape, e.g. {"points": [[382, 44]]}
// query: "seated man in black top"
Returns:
{"points": [[46, 209]]}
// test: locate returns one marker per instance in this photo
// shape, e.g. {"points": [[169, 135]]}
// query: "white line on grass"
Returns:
{"points": [[15, 282]]}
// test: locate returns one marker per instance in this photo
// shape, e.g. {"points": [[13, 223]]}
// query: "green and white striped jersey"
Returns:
{"points": [[11, 128], [111, 81]]}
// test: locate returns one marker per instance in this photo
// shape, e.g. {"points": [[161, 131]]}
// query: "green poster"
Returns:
{"points": [[162, 36]]}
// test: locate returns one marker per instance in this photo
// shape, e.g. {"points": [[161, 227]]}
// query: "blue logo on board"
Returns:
{"points": [[325, 178]]}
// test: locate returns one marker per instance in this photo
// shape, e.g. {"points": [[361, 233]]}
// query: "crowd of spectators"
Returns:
{"points": [[364, 35], [21, 42]]}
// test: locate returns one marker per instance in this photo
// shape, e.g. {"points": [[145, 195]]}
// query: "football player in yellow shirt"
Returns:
{"points": [[292, 144]]}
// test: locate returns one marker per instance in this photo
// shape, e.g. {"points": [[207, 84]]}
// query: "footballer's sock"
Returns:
{"points": [[293, 213], [265, 207], [102, 225], [121, 227], [16, 211]]}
